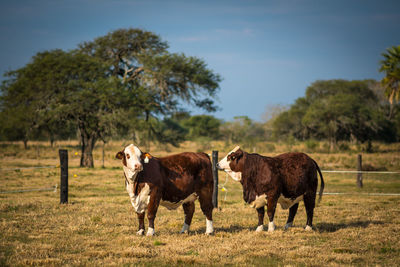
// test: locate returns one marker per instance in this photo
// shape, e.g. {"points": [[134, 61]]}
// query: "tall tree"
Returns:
{"points": [[390, 66], [124, 78]]}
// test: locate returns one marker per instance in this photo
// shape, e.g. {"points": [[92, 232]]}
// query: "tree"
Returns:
{"points": [[159, 80], [202, 126], [390, 66], [124, 80], [336, 110]]}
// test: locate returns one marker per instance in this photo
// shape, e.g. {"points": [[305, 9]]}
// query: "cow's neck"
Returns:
{"points": [[130, 175]]}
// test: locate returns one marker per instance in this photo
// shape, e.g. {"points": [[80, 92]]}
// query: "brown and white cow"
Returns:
{"points": [[285, 179], [168, 181]]}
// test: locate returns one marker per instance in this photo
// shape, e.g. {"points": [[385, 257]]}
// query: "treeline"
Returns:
{"points": [[124, 82], [127, 85]]}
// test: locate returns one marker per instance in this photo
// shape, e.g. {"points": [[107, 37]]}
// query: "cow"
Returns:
{"points": [[169, 181], [285, 179]]}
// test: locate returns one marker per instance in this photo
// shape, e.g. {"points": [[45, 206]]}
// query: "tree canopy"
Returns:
{"points": [[126, 79]]}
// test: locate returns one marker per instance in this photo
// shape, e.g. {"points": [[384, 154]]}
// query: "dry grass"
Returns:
{"points": [[98, 225]]}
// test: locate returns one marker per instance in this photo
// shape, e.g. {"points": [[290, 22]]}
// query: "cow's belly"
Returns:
{"points": [[174, 205], [285, 203]]}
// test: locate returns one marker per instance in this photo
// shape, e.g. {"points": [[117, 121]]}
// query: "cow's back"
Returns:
{"points": [[185, 173], [298, 174]]}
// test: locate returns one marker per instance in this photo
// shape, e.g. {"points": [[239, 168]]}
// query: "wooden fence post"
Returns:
{"points": [[215, 177], [359, 174], [64, 176]]}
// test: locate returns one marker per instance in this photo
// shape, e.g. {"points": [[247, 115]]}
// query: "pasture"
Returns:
{"points": [[98, 225]]}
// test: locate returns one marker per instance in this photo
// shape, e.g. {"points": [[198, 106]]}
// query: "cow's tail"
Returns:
{"points": [[321, 189]]}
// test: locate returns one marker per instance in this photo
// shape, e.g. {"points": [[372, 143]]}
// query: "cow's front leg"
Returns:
{"points": [[141, 223], [261, 213], [151, 211], [271, 206]]}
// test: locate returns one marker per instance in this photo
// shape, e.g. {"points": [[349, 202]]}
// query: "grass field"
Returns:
{"points": [[98, 225]]}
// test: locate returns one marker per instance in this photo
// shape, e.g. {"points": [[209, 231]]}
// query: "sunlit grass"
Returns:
{"points": [[98, 225]]}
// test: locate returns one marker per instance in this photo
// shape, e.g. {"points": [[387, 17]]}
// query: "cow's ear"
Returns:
{"points": [[120, 155], [146, 157], [239, 154]]}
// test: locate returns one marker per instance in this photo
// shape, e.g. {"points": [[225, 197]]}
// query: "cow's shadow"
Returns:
{"points": [[327, 227], [232, 229]]}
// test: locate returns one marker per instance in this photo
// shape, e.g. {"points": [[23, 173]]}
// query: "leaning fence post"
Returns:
{"points": [[359, 173], [64, 176], [215, 177]]}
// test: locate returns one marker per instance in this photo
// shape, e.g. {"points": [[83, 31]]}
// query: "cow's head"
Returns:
{"points": [[233, 163], [132, 159]]}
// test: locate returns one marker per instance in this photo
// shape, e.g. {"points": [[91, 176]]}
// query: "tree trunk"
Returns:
{"points": [[87, 144], [25, 143]]}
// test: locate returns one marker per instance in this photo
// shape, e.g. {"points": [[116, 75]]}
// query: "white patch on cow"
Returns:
{"points": [[224, 164], [130, 174], [308, 228], [174, 205], [271, 226], [140, 232], [259, 202], [288, 225], [260, 228], [185, 228], [150, 232], [139, 202], [287, 203], [209, 227]]}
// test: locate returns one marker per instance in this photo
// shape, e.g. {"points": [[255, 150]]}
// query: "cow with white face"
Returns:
{"points": [[286, 179], [169, 181]]}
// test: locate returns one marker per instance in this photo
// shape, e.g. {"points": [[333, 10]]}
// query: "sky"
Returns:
{"points": [[267, 52]]}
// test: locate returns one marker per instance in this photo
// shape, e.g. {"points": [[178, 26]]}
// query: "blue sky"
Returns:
{"points": [[267, 52]]}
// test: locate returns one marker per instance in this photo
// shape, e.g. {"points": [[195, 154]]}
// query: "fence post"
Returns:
{"points": [[64, 176], [359, 174], [215, 177]]}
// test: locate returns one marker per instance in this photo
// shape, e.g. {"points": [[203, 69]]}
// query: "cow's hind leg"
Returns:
{"points": [[261, 213], [292, 213], [271, 207], [141, 223], [188, 209], [205, 199], [309, 203]]}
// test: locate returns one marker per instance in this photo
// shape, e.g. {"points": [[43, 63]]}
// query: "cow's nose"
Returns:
{"points": [[138, 166], [218, 167]]}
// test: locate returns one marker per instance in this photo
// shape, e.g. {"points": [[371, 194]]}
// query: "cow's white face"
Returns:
{"points": [[132, 165], [132, 155], [224, 165]]}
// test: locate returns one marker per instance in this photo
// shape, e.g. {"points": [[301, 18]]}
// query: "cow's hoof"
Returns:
{"points": [[288, 225], [150, 232], [140, 232], [271, 227], [209, 233], [308, 228], [260, 228], [185, 229]]}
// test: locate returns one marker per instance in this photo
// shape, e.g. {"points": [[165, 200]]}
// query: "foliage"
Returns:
{"points": [[125, 81], [242, 130], [204, 126], [336, 110], [390, 66]]}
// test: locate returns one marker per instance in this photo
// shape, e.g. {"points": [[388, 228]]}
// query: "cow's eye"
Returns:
{"points": [[127, 156], [233, 157]]}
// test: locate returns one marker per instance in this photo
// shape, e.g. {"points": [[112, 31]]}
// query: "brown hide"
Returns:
{"points": [[290, 174], [178, 175]]}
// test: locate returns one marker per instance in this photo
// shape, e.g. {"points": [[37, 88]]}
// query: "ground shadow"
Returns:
{"points": [[333, 227], [232, 229]]}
